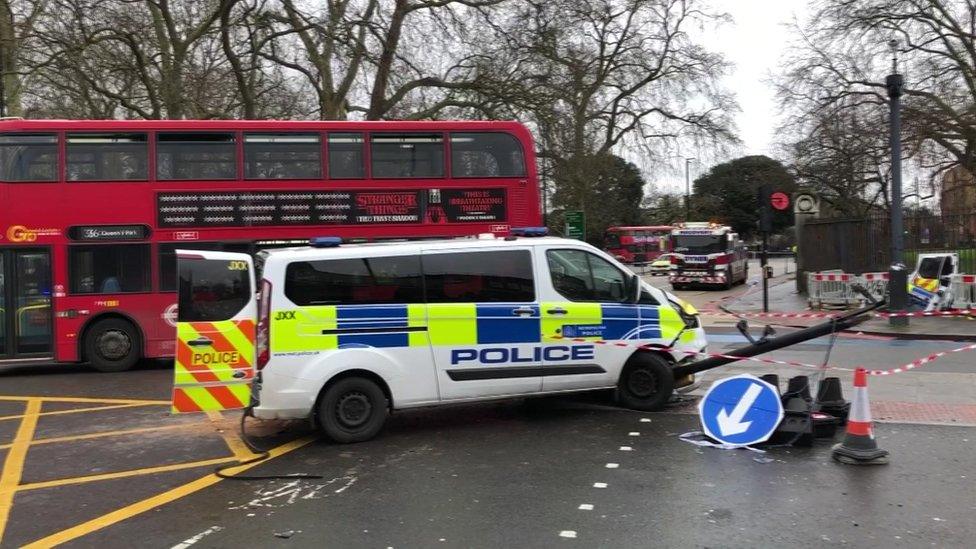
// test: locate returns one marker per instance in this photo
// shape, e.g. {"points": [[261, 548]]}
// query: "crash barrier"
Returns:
{"points": [[704, 354], [832, 288], [962, 287]]}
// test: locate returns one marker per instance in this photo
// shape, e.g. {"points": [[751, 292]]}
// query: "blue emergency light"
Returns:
{"points": [[529, 231], [326, 241]]}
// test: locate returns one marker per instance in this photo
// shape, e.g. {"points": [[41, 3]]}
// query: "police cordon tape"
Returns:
{"points": [[951, 312], [910, 366]]}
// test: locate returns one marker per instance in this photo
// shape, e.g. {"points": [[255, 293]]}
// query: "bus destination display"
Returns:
{"points": [[333, 207]]}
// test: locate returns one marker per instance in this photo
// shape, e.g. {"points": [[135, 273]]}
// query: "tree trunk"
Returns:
{"points": [[377, 99], [9, 65]]}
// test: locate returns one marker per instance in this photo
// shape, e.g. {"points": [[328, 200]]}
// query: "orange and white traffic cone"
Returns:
{"points": [[859, 446]]}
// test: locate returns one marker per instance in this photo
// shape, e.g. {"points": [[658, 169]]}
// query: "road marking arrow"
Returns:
{"points": [[732, 424]]}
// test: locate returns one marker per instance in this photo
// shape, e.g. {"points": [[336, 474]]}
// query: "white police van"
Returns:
{"points": [[348, 333]]}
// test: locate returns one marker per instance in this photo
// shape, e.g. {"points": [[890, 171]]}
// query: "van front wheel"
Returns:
{"points": [[646, 383], [353, 409]]}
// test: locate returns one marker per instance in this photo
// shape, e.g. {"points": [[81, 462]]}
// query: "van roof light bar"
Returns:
{"points": [[326, 241]]}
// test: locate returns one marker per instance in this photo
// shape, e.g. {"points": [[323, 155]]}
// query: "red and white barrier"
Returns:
{"points": [[831, 289], [962, 288], [910, 366]]}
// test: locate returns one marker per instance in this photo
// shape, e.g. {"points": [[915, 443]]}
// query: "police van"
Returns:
{"points": [[345, 334]]}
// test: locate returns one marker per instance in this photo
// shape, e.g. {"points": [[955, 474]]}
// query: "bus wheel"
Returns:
{"points": [[646, 383], [113, 345], [354, 409]]}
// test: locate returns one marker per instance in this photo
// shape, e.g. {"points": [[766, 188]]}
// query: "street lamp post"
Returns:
{"points": [[898, 276], [688, 161]]}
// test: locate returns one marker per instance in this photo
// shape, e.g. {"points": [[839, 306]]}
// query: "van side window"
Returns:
{"points": [[373, 280], [212, 290], [481, 277], [582, 276]]}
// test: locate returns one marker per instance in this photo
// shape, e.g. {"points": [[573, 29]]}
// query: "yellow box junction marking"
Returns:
{"points": [[13, 465], [150, 503]]}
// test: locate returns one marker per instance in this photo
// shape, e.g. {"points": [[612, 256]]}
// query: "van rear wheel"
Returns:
{"points": [[646, 383], [353, 409]]}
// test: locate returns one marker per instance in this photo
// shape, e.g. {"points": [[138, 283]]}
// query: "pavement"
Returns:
{"points": [[91, 459], [552, 472], [784, 298]]}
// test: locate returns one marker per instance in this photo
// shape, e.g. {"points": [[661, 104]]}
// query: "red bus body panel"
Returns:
{"points": [[39, 214], [638, 243]]}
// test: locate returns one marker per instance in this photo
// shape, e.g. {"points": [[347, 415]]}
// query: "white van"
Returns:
{"points": [[347, 333]]}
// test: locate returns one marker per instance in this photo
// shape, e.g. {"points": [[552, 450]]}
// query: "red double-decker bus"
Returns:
{"points": [[637, 244], [91, 212]]}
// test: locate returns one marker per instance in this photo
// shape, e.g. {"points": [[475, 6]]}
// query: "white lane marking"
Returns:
{"points": [[599, 484], [613, 465], [626, 449], [585, 507], [633, 434], [645, 420], [567, 534], [190, 541]]}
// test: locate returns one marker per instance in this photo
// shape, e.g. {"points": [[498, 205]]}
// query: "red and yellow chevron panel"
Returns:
{"points": [[216, 376]]}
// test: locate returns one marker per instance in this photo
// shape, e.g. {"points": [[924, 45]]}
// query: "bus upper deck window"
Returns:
{"points": [[196, 155], [346, 159], [28, 157], [282, 156], [486, 154], [397, 155], [106, 157]]}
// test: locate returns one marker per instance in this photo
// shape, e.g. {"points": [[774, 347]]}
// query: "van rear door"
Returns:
{"points": [[215, 329]]}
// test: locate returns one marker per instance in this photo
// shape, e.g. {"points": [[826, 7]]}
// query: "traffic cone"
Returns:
{"points": [[771, 379], [799, 386], [830, 399], [859, 446]]}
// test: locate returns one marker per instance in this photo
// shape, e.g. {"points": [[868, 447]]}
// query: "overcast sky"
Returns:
{"points": [[755, 43]]}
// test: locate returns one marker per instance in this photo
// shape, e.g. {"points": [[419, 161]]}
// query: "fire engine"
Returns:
{"points": [[707, 254]]}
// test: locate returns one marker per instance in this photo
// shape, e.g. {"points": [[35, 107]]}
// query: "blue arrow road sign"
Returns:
{"points": [[740, 410]]}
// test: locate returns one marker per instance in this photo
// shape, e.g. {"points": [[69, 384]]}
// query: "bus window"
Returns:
{"points": [[196, 156], [282, 156], [397, 155], [346, 160], [28, 157], [109, 269], [106, 157], [486, 155]]}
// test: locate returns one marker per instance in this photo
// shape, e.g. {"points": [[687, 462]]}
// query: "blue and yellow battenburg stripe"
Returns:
{"points": [[319, 328]]}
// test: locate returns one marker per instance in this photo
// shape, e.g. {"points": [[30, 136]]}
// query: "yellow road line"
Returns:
{"points": [[123, 474], [134, 509], [13, 466], [79, 410], [83, 399], [101, 434], [236, 445]]}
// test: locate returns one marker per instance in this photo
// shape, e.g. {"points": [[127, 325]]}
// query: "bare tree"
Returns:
{"points": [[594, 76], [17, 23], [844, 57]]}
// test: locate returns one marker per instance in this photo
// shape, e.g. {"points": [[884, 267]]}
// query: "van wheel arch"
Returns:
{"points": [[372, 376], [656, 384], [346, 408]]}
